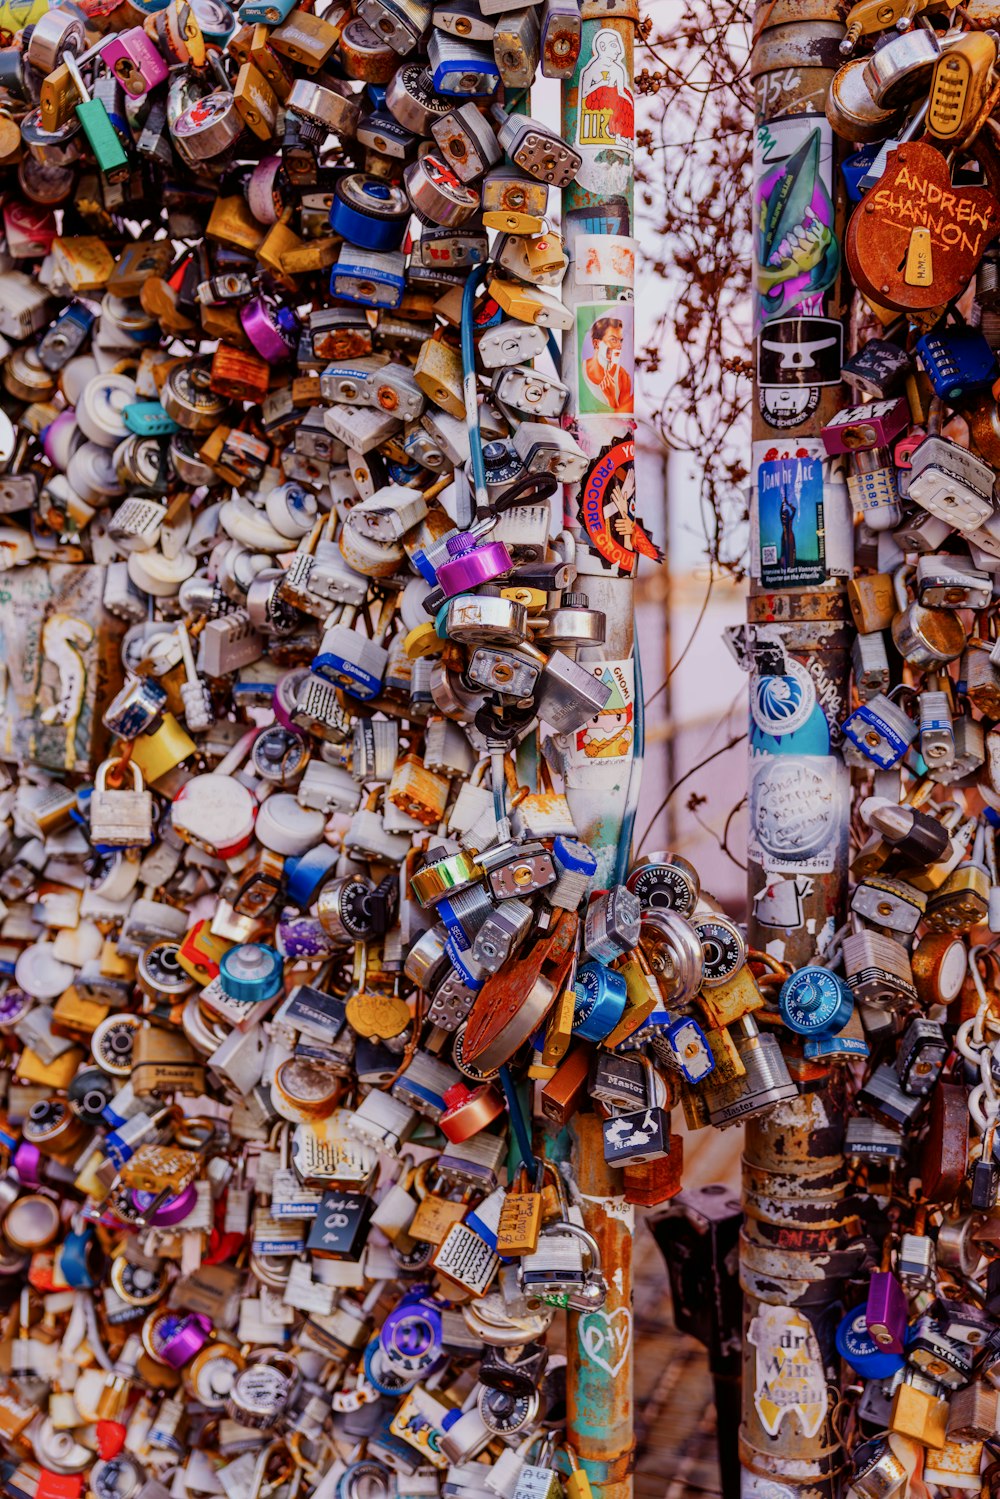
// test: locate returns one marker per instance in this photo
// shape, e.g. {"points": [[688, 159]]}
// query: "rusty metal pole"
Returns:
{"points": [[795, 1246], [599, 1345]]}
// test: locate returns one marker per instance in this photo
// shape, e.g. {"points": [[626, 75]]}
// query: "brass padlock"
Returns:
{"points": [[438, 372], [164, 1061], [873, 602], [520, 1217]]}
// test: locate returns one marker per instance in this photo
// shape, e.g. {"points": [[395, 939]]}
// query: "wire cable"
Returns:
{"points": [[624, 855], [471, 390]]}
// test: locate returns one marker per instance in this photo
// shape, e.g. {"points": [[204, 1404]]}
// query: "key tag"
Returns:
{"points": [[521, 1215]]}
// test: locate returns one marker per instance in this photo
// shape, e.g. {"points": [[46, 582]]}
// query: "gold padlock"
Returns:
{"points": [[520, 1217], [162, 751], [438, 372], [417, 791], [232, 223], [305, 39], [872, 601], [919, 1414], [59, 97], [256, 101], [164, 1061]]}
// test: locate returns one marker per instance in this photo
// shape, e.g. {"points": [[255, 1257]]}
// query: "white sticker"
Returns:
{"points": [[797, 812], [789, 1376], [604, 260], [605, 135]]}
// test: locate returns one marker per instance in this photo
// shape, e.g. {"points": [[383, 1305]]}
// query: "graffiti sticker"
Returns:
{"points": [[796, 253], [605, 132], [607, 510]]}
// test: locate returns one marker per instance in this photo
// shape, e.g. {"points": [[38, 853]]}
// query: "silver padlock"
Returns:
{"points": [[118, 818]]}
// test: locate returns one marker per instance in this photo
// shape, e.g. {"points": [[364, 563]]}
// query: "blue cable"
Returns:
{"points": [[635, 769], [470, 390], [517, 1120]]}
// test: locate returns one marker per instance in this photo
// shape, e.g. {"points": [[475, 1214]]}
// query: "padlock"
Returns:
{"points": [[640, 1135], [119, 818]]}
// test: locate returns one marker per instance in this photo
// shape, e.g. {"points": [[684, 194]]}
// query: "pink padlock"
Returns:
{"points": [[862, 427], [134, 60]]}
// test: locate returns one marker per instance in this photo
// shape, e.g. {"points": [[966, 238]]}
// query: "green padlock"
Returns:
{"points": [[109, 153]]}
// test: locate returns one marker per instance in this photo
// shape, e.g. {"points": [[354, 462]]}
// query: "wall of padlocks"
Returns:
{"points": [[339, 1032], [869, 1245]]}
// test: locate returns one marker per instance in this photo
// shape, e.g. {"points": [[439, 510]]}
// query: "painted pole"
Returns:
{"points": [[796, 1243], [599, 1345], [598, 365]]}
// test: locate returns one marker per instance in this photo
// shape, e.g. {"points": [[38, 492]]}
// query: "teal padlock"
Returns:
{"points": [[148, 419], [109, 153]]}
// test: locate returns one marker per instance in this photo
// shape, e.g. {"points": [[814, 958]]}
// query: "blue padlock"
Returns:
{"points": [[815, 1002]]}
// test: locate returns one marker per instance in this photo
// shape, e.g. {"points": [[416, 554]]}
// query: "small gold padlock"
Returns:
{"points": [[520, 1217], [438, 372], [435, 1215]]}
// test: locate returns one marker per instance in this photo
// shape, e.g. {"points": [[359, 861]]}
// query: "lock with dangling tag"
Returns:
{"points": [[120, 818], [640, 1134]]}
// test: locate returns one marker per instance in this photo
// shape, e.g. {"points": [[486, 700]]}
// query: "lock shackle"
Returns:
{"points": [[901, 580], [112, 771], [586, 1239], [777, 972], [530, 489], [196, 1132]]}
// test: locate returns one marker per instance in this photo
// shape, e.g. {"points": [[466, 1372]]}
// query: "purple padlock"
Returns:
{"points": [[274, 334], [176, 1340], [470, 566], [173, 1210], [135, 61], [861, 428], [885, 1313]]}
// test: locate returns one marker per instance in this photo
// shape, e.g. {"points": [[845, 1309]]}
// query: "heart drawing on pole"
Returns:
{"points": [[606, 1337]]}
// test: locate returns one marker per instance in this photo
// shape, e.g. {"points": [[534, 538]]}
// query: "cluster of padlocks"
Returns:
{"points": [[906, 990], [305, 962]]}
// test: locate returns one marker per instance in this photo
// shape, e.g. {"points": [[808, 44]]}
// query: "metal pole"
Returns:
{"points": [[598, 365], [599, 1345], [794, 1250]]}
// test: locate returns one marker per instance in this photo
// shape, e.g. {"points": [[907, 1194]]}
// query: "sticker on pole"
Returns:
{"points": [[797, 813], [605, 341], [790, 511], [607, 510], [796, 253], [604, 260], [606, 739], [605, 129], [789, 1377]]}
